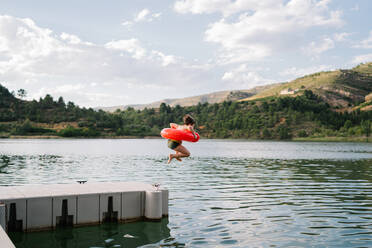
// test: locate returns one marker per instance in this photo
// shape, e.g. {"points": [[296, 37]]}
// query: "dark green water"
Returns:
{"points": [[228, 194], [106, 235]]}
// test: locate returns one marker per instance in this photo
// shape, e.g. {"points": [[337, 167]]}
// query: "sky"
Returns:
{"points": [[115, 52]]}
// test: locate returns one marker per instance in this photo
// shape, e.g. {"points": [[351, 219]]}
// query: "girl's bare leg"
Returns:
{"points": [[181, 152], [170, 157], [178, 157]]}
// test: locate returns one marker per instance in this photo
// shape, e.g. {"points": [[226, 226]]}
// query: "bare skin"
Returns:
{"points": [[178, 158], [181, 152]]}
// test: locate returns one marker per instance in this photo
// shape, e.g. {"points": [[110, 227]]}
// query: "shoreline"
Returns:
{"points": [[59, 137], [306, 139], [334, 139]]}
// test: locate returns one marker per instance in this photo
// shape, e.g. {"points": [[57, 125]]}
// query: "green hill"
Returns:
{"points": [[341, 89], [313, 109], [6, 98]]}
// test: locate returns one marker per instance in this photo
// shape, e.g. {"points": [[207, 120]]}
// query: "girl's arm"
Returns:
{"points": [[192, 131], [173, 125]]}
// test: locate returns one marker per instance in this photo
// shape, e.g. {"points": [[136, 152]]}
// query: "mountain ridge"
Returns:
{"points": [[214, 97], [343, 89]]}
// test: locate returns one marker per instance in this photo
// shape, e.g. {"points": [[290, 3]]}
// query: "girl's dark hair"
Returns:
{"points": [[188, 120]]}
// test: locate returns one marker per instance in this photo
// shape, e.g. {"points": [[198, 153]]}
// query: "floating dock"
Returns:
{"points": [[48, 206], [5, 242]]}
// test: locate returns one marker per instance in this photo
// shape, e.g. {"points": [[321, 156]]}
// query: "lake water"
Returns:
{"points": [[227, 194]]}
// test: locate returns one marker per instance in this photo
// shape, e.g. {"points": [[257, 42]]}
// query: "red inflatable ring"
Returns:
{"points": [[176, 134]]}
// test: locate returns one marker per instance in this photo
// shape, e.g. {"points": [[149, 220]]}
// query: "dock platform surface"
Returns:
{"points": [[5, 242], [47, 206], [53, 190]]}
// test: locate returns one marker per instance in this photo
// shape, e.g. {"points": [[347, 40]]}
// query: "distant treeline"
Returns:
{"points": [[270, 118]]}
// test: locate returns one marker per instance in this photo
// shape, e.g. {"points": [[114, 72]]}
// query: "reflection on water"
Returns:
{"points": [[105, 235], [228, 194]]}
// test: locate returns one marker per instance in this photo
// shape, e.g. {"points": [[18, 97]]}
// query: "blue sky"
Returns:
{"points": [[108, 53]]}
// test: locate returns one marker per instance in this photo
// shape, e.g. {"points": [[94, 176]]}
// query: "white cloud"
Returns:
{"points": [[72, 39], [228, 7], [141, 16], [127, 24], [366, 44], [314, 49], [58, 90], [261, 28], [200, 6], [339, 37], [131, 46], [68, 88], [23, 43], [294, 72], [244, 77], [362, 58], [156, 15], [144, 15], [41, 61], [134, 48], [164, 59], [225, 7]]}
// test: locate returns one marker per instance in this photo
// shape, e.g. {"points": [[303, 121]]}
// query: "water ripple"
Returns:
{"points": [[228, 194]]}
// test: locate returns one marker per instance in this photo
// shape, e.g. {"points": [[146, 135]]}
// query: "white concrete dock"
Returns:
{"points": [[47, 206], [5, 242]]}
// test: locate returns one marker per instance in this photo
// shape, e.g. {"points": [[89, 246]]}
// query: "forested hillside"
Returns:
{"points": [[344, 90], [286, 117]]}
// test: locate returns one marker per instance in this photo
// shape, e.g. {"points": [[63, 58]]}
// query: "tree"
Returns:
{"points": [[309, 95], [284, 132], [348, 124], [366, 127], [265, 106], [61, 102], [48, 101], [22, 93], [302, 133], [70, 105], [266, 133], [164, 108]]}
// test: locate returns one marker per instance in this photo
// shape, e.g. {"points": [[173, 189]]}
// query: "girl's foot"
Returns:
{"points": [[170, 158]]}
